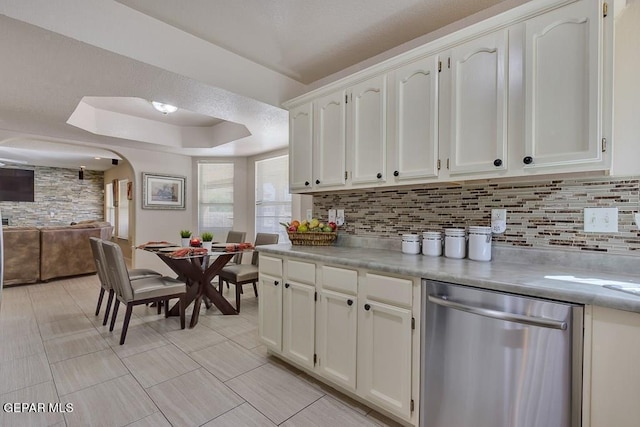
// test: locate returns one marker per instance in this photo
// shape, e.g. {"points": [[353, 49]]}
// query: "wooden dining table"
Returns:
{"points": [[198, 273]]}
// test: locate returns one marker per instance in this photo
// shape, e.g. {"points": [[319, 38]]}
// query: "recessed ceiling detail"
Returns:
{"points": [[136, 119], [39, 152]]}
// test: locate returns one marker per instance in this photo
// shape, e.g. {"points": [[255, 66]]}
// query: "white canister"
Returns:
{"points": [[432, 243], [480, 243], [455, 243], [410, 244]]}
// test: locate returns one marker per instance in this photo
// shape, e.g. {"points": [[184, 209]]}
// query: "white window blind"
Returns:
{"points": [[273, 200], [215, 199]]}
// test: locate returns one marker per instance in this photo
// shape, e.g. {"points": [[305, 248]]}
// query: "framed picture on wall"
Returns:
{"points": [[161, 191]]}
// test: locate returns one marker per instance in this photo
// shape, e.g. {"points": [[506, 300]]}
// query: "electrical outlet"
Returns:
{"points": [[309, 214], [498, 221], [637, 217], [498, 214], [340, 217], [332, 215], [601, 220]]}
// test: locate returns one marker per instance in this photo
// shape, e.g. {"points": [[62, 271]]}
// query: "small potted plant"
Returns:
{"points": [[185, 235], [206, 240]]}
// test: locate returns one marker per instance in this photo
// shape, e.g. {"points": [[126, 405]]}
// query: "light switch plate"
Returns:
{"points": [[601, 220]]}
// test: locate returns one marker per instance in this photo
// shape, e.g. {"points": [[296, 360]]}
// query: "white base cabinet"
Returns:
{"points": [[354, 329], [384, 356], [270, 311], [298, 317], [615, 379], [337, 338]]}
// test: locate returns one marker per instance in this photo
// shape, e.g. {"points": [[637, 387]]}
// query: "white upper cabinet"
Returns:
{"points": [[563, 118], [301, 147], [416, 120], [367, 126], [478, 128], [528, 91], [329, 164]]}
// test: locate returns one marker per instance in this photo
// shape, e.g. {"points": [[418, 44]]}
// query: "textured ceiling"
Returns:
{"points": [[234, 61], [308, 40]]}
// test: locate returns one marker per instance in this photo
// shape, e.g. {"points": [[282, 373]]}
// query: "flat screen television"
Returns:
{"points": [[16, 185]]}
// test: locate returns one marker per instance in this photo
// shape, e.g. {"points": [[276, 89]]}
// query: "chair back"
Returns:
{"points": [[98, 258], [263, 239], [236, 237], [117, 270]]}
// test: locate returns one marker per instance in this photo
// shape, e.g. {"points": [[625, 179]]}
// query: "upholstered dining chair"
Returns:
{"points": [[242, 274], [141, 291], [236, 237], [105, 286]]}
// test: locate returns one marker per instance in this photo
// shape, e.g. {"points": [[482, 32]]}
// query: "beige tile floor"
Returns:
{"points": [[53, 349]]}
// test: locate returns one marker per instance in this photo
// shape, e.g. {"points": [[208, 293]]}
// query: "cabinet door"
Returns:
{"points": [[416, 106], [384, 356], [562, 100], [615, 379], [300, 147], [337, 342], [270, 311], [330, 140], [299, 322], [368, 130], [479, 105]]}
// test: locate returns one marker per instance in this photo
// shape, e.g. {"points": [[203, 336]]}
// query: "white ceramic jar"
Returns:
{"points": [[432, 243], [455, 243], [480, 243], [410, 244]]}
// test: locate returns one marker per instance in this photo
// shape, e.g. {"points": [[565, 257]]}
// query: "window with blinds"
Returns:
{"points": [[215, 199], [273, 200]]}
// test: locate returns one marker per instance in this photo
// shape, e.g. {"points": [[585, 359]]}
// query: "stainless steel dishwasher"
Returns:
{"points": [[491, 359]]}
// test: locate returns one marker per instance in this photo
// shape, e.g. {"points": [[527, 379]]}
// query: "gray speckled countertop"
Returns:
{"points": [[520, 274]]}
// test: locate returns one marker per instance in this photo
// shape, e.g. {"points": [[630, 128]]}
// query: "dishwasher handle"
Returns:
{"points": [[500, 315]]}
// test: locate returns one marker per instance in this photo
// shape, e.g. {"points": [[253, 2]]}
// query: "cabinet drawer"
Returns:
{"points": [[270, 265], [340, 279], [303, 272], [387, 289]]}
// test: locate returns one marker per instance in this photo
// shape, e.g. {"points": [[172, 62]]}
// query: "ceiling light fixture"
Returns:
{"points": [[164, 108]]}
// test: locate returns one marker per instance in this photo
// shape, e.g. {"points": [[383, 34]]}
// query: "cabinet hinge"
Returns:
{"points": [[346, 175], [315, 296], [438, 164], [439, 66], [605, 10], [447, 163], [346, 98], [315, 359], [413, 323], [449, 62], [411, 406], [604, 145]]}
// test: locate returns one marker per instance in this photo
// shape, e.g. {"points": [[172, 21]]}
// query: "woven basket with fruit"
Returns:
{"points": [[311, 233]]}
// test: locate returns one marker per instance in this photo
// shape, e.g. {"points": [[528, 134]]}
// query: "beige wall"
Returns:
{"points": [[151, 224]]}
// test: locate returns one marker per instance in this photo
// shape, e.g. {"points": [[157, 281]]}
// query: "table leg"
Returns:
{"points": [[196, 312]]}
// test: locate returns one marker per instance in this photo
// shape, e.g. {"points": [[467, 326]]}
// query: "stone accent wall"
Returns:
{"points": [[59, 191], [540, 214]]}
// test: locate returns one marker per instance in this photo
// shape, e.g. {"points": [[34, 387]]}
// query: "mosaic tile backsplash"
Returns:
{"points": [[541, 214], [58, 190]]}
